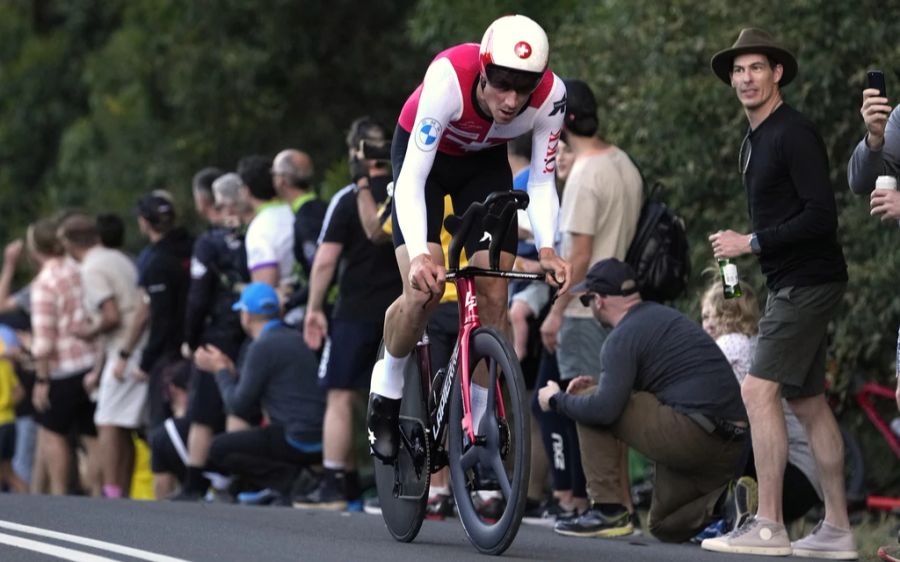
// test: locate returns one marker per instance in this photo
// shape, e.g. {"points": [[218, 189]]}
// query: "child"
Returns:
{"points": [[10, 394], [733, 323]]}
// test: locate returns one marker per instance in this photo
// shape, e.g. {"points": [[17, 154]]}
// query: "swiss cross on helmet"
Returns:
{"points": [[514, 54]]}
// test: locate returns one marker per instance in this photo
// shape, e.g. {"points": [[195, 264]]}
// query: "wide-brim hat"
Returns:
{"points": [[752, 40]]}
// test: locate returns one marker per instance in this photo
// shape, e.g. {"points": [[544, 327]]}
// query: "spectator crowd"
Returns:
{"points": [[241, 355]]}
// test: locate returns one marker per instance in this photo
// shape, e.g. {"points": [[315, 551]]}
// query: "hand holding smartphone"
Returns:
{"points": [[875, 80]]}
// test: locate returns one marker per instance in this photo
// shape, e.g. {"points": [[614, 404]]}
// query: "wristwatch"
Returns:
{"points": [[553, 403], [754, 244]]}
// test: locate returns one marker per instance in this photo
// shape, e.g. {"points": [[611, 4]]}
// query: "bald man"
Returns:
{"points": [[292, 172]]}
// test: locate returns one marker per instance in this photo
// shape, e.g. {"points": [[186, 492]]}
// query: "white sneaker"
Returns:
{"points": [[757, 536], [827, 541]]}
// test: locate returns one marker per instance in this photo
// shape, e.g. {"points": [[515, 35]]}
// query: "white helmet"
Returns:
{"points": [[515, 43]]}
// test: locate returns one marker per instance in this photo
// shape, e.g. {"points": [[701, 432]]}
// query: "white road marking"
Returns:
{"points": [[52, 550], [93, 543]]}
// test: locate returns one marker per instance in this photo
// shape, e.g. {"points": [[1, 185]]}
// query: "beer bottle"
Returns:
{"points": [[731, 287]]}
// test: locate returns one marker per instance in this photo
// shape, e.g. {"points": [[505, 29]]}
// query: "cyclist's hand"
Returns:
{"points": [[885, 202], [875, 111], [426, 276], [315, 329], [559, 271], [545, 393], [580, 384], [550, 330]]}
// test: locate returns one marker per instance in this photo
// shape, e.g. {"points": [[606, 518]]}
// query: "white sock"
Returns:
{"points": [[479, 396], [435, 490], [387, 376], [333, 465]]}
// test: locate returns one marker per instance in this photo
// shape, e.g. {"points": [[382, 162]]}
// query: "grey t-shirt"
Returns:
{"points": [[280, 373], [659, 350], [866, 165]]}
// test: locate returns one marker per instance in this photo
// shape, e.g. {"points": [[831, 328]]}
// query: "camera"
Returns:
{"points": [[375, 149]]}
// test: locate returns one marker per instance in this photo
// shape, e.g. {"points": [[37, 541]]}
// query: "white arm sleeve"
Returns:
{"points": [[543, 208], [439, 103]]}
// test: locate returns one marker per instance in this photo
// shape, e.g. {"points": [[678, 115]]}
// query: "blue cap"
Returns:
{"points": [[258, 298]]}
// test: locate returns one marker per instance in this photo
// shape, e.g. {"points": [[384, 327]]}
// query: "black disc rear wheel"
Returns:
{"points": [[403, 487], [490, 477]]}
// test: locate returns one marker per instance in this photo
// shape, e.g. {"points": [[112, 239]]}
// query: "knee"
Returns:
{"points": [[758, 392]]}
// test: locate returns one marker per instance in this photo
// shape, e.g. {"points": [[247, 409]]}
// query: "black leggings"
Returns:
{"points": [[560, 436]]}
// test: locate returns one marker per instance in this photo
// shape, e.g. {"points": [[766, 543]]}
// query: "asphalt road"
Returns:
{"points": [[31, 527]]}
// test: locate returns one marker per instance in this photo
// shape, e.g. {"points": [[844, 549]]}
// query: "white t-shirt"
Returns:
{"points": [[110, 274], [602, 198], [270, 240]]}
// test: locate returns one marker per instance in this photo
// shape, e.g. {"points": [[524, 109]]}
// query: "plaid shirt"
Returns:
{"points": [[56, 308]]}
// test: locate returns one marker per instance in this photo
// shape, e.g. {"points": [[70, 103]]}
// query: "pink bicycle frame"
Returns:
{"points": [[864, 399], [468, 312]]}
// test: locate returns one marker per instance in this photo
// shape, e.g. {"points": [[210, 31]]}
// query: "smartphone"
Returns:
{"points": [[876, 81]]}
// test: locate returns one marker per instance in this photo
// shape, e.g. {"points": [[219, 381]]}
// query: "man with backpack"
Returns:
{"points": [[598, 218]]}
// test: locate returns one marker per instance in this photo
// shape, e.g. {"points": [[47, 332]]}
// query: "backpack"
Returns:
{"points": [[659, 251]]}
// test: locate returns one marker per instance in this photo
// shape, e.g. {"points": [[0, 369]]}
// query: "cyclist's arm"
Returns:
{"points": [[543, 210], [439, 103]]}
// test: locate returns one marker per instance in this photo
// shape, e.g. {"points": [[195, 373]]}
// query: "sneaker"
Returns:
{"points": [[266, 496], [439, 507], [756, 536], [741, 503], [548, 513], [595, 523], [328, 496], [827, 541], [489, 506], [382, 423], [372, 506], [713, 530]]}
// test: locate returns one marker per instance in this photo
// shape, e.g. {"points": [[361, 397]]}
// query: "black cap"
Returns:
{"points": [[608, 277], [156, 209], [580, 101]]}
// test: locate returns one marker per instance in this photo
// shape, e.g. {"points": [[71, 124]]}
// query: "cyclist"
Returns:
{"points": [[450, 139]]}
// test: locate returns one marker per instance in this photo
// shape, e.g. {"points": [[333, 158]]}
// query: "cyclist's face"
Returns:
{"points": [[504, 103], [754, 80]]}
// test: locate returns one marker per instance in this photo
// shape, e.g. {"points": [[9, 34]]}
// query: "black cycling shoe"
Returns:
{"points": [[383, 426]]}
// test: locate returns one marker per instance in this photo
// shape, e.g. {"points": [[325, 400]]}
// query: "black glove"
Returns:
{"points": [[358, 169]]}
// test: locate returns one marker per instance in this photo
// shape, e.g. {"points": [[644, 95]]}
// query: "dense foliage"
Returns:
{"points": [[103, 99]]}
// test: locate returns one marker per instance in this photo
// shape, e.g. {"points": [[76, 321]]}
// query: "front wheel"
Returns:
{"points": [[499, 460]]}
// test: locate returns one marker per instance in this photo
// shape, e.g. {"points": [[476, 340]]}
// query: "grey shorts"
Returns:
{"points": [[535, 296], [793, 338], [578, 347]]}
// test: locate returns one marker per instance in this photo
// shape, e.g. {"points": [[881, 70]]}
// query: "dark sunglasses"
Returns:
{"points": [[504, 79], [586, 299]]}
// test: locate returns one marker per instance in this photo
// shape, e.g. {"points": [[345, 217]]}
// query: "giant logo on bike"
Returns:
{"points": [[428, 132]]}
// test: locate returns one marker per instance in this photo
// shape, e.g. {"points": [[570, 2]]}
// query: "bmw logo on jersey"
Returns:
{"points": [[428, 132]]}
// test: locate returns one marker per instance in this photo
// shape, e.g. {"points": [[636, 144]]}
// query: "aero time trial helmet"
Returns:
{"points": [[514, 53]]}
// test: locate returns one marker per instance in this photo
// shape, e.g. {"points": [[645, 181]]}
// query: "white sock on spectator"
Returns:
{"points": [[333, 465]]}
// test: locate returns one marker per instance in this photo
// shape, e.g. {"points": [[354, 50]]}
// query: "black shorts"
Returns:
{"points": [[167, 444], [7, 441], [70, 407], [466, 179], [204, 401], [350, 354]]}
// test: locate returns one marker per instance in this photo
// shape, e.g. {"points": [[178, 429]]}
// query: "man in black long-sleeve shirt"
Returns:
{"points": [[665, 389], [163, 276], [784, 167], [278, 373]]}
